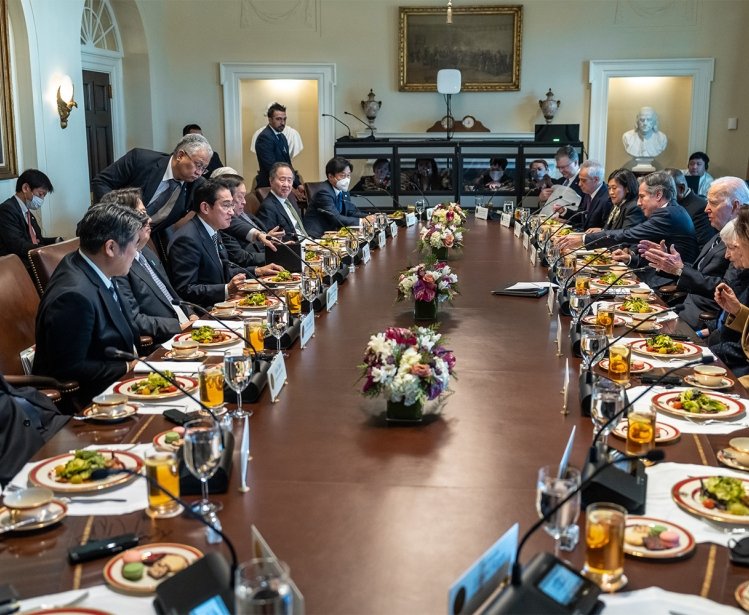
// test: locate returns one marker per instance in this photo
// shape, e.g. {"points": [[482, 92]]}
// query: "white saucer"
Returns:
{"points": [[726, 383]]}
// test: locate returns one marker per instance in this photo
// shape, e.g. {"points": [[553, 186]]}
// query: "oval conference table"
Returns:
{"points": [[379, 519]]}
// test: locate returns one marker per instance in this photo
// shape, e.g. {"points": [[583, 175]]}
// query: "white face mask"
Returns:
{"points": [[35, 203], [342, 184], [495, 175]]}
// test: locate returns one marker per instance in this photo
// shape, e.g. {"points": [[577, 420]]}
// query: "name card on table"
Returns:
{"points": [[477, 583], [393, 229], [526, 240], [366, 255], [559, 336], [482, 213], [551, 300], [307, 328], [506, 220], [331, 296], [518, 229], [534, 256], [410, 219], [381, 238], [276, 376]]}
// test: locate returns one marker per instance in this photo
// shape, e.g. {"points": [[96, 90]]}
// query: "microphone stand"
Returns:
{"points": [[224, 324], [339, 275], [306, 264], [346, 126], [371, 136]]}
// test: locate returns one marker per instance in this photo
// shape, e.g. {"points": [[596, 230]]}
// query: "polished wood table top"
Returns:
{"points": [[379, 519]]}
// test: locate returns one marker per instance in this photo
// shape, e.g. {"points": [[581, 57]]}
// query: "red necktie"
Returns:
{"points": [[32, 232]]}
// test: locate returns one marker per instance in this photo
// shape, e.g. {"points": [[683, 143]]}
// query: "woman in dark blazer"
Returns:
{"points": [[622, 186]]}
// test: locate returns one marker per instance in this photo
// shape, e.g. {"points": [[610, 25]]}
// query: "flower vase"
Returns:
{"points": [[440, 253], [425, 310], [399, 412]]}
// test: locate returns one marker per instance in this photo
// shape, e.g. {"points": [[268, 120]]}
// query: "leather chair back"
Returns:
{"points": [[312, 188], [44, 260], [252, 203], [19, 303], [262, 193]]}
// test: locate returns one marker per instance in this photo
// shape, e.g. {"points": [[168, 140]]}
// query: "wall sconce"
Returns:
{"points": [[449, 11], [65, 102]]}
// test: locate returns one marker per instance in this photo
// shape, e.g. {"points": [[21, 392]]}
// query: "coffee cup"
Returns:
{"points": [[640, 321], [184, 348], [224, 308], [109, 403], [618, 269], [709, 375], [640, 293], [30, 497]]}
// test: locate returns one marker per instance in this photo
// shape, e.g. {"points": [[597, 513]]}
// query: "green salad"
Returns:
{"points": [[695, 401], [725, 493]]}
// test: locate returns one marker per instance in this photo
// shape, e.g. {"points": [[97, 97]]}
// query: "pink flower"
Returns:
{"points": [[428, 278], [448, 240], [421, 370]]}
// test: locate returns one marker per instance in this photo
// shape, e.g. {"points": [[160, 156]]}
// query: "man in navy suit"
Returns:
{"points": [[596, 202], [81, 312], [331, 208], [568, 164], [271, 146], [201, 271], [167, 181], [277, 211], [19, 229]]}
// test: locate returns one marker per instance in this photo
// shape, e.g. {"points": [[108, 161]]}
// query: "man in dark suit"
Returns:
{"points": [[200, 267], [271, 146], [277, 210], [568, 164], [81, 312], [215, 163], [695, 205], [331, 208], [166, 180], [699, 278], [19, 229], [596, 202]]}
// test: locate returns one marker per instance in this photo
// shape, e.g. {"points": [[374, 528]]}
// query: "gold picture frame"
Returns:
{"points": [[483, 42], [7, 131]]}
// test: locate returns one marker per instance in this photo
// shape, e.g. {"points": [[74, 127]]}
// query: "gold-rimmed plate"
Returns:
{"points": [[625, 282], [654, 309], [636, 366], [726, 457], [669, 401], [690, 351], [33, 518], [269, 303], [96, 415], [221, 337], [742, 595], [43, 473], [296, 278], [664, 433], [127, 387], [146, 584], [590, 319], [160, 443], [687, 494], [198, 355], [725, 383], [649, 528]]}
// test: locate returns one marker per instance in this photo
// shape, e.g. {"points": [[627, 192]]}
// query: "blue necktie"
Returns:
{"points": [[339, 202]]}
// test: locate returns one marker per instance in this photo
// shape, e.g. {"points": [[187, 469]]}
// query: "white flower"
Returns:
{"points": [[381, 346]]}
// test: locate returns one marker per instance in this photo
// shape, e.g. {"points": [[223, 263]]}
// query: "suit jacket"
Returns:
{"points": [[239, 229], [625, 215], [574, 184], [144, 169], [322, 213], [239, 252], [695, 205], [272, 214], [149, 309], [198, 274], [14, 232], [671, 223], [598, 210], [726, 342], [269, 151], [77, 319], [700, 281]]}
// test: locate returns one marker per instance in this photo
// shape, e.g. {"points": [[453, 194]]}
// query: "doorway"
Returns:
{"points": [[97, 96]]}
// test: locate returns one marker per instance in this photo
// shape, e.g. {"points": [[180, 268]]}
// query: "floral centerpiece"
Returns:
{"points": [[449, 214], [437, 238], [428, 285], [408, 367]]}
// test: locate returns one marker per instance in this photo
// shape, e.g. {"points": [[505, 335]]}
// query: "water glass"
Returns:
{"points": [[278, 319], [310, 289], [578, 302], [550, 490], [421, 205], [329, 262], [238, 367], [606, 401], [262, 588], [202, 450], [604, 545], [352, 247], [593, 340]]}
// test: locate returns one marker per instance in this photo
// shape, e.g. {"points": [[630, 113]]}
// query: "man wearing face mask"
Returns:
{"points": [[19, 229], [331, 208]]}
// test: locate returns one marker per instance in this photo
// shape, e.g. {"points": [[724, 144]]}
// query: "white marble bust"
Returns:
{"points": [[645, 140]]}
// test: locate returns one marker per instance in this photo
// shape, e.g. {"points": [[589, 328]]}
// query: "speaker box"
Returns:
{"points": [[448, 81], [557, 133]]}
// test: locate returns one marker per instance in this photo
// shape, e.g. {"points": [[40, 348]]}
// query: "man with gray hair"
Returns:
{"points": [[81, 312], [167, 181], [596, 202], [695, 205]]}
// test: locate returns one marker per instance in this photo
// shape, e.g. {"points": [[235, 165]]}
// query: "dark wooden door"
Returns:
{"points": [[98, 96]]}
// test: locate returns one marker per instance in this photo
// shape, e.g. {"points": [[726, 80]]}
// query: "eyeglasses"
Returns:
{"points": [[226, 206], [198, 165]]}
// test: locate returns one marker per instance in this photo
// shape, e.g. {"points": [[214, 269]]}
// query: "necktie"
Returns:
{"points": [[215, 243], [339, 202], [297, 220], [699, 264], [161, 286], [585, 205], [161, 206], [283, 144], [32, 232]]}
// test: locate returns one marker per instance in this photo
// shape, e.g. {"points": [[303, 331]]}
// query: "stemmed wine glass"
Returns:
{"points": [[352, 247], [238, 368], [420, 207], [607, 400], [552, 489], [578, 302], [593, 340], [329, 262], [203, 446], [310, 287], [278, 319], [368, 229]]}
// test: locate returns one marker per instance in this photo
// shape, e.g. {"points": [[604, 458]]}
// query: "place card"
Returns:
{"points": [[487, 573], [429, 213], [550, 301], [526, 240], [366, 254], [559, 336], [393, 229], [518, 229], [381, 238], [506, 220], [482, 213], [565, 386], [276, 376], [534, 257], [331, 296], [306, 329], [244, 455], [410, 219]]}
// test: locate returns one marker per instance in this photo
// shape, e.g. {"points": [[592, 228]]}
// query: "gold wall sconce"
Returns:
{"points": [[65, 102]]}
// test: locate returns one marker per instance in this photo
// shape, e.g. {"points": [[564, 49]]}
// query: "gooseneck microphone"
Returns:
{"points": [[342, 123], [224, 324], [371, 136], [290, 251], [654, 456], [323, 246]]}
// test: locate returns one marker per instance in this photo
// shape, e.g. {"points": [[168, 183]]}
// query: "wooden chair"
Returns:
{"points": [[44, 260], [262, 193], [19, 303]]}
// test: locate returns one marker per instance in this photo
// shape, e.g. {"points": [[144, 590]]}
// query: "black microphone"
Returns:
{"points": [[323, 246], [301, 260], [418, 188], [102, 473], [654, 455], [115, 353], [371, 136], [211, 316], [349, 138], [387, 192]]}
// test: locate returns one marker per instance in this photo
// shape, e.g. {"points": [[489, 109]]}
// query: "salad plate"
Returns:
{"points": [[690, 494], [131, 386], [44, 474], [644, 347], [699, 405]]}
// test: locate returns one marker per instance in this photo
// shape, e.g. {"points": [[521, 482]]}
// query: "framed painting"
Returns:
{"points": [[7, 134], [483, 42]]}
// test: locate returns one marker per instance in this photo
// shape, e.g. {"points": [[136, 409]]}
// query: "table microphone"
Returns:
{"points": [[371, 136], [392, 199], [317, 243], [224, 324], [418, 188], [349, 137], [301, 260]]}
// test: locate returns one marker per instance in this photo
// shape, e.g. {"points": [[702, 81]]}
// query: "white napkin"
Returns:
{"points": [[711, 426], [659, 503], [177, 367], [134, 492], [99, 596], [657, 601]]}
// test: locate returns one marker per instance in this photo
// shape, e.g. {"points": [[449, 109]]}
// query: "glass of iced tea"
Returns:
{"points": [[211, 378], [605, 317], [582, 283], [604, 545], [294, 300], [254, 331], [641, 430], [619, 363], [162, 470]]}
